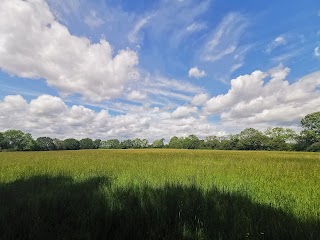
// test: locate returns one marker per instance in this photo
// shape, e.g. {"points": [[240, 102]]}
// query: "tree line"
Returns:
{"points": [[277, 138]]}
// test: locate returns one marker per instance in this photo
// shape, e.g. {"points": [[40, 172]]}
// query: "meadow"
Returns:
{"points": [[159, 194]]}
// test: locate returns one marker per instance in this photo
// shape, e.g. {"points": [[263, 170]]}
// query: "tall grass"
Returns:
{"points": [[159, 194]]}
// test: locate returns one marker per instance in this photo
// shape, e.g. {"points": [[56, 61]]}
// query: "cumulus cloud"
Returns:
{"points": [[48, 50], [200, 99], [254, 99], [50, 116], [225, 38], [184, 111], [278, 41], [136, 95], [196, 72]]}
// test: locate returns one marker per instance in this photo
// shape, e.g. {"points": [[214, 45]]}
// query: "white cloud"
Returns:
{"points": [[225, 38], [133, 38], [196, 73], [136, 95], [184, 111], [92, 20], [69, 63], [50, 116], [278, 41], [253, 100], [200, 99], [196, 26], [317, 52]]}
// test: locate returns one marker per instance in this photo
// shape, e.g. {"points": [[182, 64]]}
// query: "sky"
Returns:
{"points": [[156, 69]]}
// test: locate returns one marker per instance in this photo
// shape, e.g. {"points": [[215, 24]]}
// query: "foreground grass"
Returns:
{"points": [[159, 194]]}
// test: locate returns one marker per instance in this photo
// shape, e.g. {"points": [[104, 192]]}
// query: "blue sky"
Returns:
{"points": [[153, 69]]}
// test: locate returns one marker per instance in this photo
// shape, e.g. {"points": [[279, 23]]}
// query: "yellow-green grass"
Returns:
{"points": [[218, 190]]}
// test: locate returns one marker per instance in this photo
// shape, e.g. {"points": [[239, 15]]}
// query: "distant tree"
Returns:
{"points": [[18, 140], [126, 144], [96, 143], [28, 143], [212, 142], [13, 139], [111, 144], [3, 143], [58, 144], [86, 143], [191, 142], [281, 138], [71, 144], [311, 132], [158, 143], [252, 139], [312, 122], [45, 144], [139, 143], [315, 147], [175, 142]]}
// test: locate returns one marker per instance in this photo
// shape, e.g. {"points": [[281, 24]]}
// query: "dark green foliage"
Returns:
{"points": [[315, 147], [45, 144], [96, 143], [45, 207], [58, 144], [86, 143], [3, 142], [71, 144]]}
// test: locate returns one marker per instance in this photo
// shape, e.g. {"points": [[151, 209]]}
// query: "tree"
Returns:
{"points": [[71, 144], [58, 143], [139, 143], [191, 142], [312, 122], [86, 143], [18, 140], [311, 125], [45, 144], [111, 144], [252, 139], [125, 144], [158, 143], [13, 139], [212, 142], [175, 142], [96, 143], [281, 138], [3, 143]]}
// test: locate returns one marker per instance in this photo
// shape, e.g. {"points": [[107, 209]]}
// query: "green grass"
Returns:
{"points": [[159, 194]]}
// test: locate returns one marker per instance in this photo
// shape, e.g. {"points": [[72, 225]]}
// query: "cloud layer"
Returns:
{"points": [[50, 116], [34, 45], [266, 97]]}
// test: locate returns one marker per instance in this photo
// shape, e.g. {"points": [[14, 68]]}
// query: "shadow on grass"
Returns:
{"points": [[45, 207]]}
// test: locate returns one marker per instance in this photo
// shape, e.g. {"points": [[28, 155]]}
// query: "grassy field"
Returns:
{"points": [[159, 194]]}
